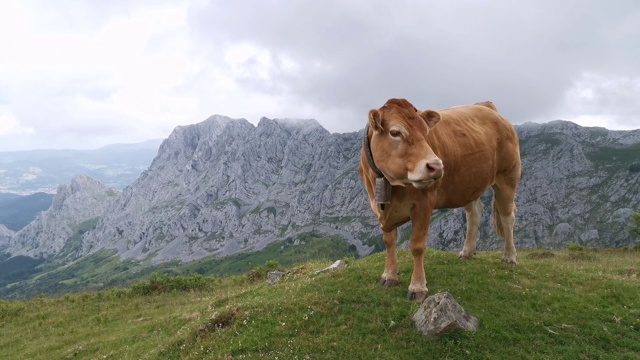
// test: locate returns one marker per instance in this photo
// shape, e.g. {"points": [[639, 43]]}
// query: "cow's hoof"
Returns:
{"points": [[417, 296], [508, 261], [466, 256], [388, 283]]}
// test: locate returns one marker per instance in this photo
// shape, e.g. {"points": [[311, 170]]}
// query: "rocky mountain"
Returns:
{"points": [[80, 202], [27, 172], [224, 186]]}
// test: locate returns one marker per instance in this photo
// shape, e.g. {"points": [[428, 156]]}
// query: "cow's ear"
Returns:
{"points": [[432, 118], [375, 120]]}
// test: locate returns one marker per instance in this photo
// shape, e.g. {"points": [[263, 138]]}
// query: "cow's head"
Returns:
{"points": [[399, 144]]}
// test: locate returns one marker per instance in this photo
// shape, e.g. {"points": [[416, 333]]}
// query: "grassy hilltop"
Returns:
{"points": [[576, 304]]}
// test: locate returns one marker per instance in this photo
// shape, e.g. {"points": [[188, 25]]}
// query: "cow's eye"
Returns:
{"points": [[396, 134]]}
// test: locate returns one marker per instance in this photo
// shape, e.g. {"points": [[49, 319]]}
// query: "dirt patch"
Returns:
{"points": [[631, 272], [219, 321]]}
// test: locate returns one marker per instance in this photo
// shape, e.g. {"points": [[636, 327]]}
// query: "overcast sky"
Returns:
{"points": [[83, 74]]}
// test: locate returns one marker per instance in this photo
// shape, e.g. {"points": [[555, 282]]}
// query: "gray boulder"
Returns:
{"points": [[275, 276], [440, 314]]}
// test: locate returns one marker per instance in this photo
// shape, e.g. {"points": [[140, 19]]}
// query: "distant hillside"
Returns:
{"points": [[117, 166], [18, 211], [7, 197]]}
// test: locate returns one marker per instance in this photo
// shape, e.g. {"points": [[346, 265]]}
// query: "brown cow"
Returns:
{"points": [[432, 167]]}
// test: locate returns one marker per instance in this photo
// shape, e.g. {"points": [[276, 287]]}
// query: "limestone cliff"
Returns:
{"points": [[83, 199], [223, 186]]}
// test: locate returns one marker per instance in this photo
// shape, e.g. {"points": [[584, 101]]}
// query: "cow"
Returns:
{"points": [[413, 162]]}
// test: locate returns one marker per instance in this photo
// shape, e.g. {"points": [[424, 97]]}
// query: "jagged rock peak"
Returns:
{"points": [[80, 186], [554, 126], [84, 198], [190, 136], [214, 123], [550, 125], [291, 123], [579, 133], [83, 182]]}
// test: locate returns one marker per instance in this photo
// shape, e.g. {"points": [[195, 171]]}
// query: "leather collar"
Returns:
{"points": [[367, 152]]}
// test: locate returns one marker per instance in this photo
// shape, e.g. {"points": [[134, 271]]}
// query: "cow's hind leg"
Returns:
{"points": [[390, 274], [504, 215], [474, 214]]}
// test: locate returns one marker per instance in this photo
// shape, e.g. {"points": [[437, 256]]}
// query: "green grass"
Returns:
{"points": [[623, 155], [106, 269], [74, 244], [551, 306], [549, 140], [313, 247]]}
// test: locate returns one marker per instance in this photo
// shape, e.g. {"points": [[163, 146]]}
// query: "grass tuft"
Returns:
{"points": [[580, 256], [543, 254], [159, 284]]}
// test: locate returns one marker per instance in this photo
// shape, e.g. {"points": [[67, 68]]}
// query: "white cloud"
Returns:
{"points": [[609, 101], [85, 74], [9, 125], [115, 80], [246, 61]]}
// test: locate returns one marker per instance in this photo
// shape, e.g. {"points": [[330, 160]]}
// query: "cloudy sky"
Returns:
{"points": [[83, 74]]}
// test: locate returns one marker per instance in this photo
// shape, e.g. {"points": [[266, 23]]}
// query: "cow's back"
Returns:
{"points": [[475, 143]]}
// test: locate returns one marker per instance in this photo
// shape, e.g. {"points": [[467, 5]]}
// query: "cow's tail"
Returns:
{"points": [[497, 219]]}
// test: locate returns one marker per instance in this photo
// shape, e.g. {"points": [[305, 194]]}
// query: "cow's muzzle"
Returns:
{"points": [[435, 169], [426, 173]]}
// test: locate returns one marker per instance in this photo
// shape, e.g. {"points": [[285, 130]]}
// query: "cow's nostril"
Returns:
{"points": [[434, 166]]}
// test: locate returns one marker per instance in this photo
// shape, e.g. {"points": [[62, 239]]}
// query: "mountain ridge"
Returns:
{"points": [[224, 186], [241, 164]]}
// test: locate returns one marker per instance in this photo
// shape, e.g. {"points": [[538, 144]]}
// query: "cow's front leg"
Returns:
{"points": [[390, 274], [417, 244]]}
